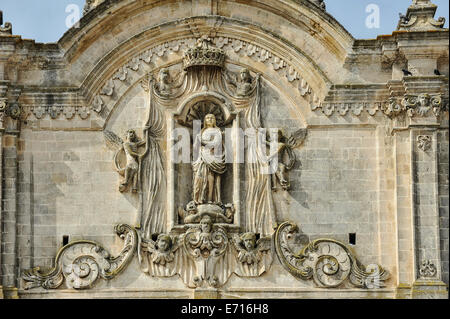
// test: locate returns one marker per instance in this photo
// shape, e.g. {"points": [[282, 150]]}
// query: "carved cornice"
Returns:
{"points": [[416, 105], [6, 30]]}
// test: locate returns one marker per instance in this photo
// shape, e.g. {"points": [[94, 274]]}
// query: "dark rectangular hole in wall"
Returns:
{"points": [[352, 239], [65, 240]]}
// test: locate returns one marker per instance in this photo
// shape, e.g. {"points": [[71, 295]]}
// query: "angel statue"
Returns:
{"points": [[285, 150], [250, 250], [127, 151]]}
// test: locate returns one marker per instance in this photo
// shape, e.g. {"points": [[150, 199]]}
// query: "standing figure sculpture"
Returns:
{"points": [[210, 164], [126, 158], [131, 150], [285, 149]]}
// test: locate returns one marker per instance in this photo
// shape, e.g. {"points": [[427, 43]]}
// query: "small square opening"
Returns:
{"points": [[352, 238], [65, 240]]}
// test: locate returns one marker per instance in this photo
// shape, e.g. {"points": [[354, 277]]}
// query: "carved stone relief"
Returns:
{"points": [[424, 142], [427, 269], [6, 29], [204, 242], [81, 263], [328, 262], [126, 158], [420, 17]]}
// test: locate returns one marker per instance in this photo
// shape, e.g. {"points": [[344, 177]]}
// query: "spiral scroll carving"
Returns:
{"points": [[328, 262], [82, 263]]}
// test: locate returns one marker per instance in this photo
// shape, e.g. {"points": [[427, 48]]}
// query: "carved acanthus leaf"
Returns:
{"points": [[329, 262], [81, 263]]}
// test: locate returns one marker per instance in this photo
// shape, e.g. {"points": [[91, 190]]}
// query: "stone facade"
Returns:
{"points": [[357, 207]]}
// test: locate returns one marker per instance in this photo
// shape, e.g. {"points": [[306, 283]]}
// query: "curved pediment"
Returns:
{"points": [[300, 33]]}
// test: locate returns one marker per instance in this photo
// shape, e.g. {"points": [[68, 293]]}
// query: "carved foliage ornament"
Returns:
{"points": [[344, 108], [81, 263], [204, 54], [206, 255], [421, 105], [328, 262], [10, 109], [424, 142]]}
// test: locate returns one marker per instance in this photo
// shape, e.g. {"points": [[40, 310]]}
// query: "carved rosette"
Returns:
{"points": [[81, 263], [427, 269], [424, 142], [328, 262]]}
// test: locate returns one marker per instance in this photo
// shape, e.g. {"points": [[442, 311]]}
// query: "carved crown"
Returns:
{"points": [[204, 54]]}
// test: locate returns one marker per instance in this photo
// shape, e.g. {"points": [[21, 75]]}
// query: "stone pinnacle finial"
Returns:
{"points": [[420, 17], [319, 3], [91, 4], [7, 29]]}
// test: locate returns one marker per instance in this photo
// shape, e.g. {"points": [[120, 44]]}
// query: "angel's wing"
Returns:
{"points": [[297, 138], [231, 78], [236, 239], [264, 244], [113, 141], [176, 243]]}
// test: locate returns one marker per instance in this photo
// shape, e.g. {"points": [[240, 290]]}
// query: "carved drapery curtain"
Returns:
{"points": [[259, 208], [152, 210]]}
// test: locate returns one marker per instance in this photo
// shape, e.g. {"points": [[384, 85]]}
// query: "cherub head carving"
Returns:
{"points": [[424, 100], [206, 224], [249, 241], [163, 243]]}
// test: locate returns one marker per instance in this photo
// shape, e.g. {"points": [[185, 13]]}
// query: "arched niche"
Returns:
{"points": [[179, 175]]}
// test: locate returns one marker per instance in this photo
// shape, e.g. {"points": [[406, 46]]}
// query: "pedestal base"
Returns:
{"points": [[429, 289], [10, 293], [200, 293], [403, 291]]}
